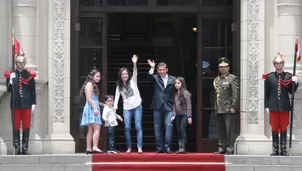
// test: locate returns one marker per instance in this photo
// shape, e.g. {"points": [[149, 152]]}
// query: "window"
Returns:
{"points": [[91, 2], [217, 42], [176, 2], [127, 2], [217, 2], [91, 32]]}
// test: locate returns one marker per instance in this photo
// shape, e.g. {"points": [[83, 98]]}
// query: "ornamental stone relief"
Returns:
{"points": [[297, 119], [58, 61], [253, 64], [297, 122]]}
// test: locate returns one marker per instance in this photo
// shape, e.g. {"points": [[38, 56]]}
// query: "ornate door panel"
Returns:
{"points": [[92, 54]]}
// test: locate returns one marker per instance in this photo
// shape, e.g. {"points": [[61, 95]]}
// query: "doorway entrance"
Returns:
{"points": [[183, 36], [160, 37]]}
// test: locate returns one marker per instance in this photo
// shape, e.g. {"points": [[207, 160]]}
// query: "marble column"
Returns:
{"points": [[35, 141], [4, 64], [24, 24], [59, 139], [252, 139], [289, 27]]}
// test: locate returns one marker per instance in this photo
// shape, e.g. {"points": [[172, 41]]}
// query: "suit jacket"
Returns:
{"points": [[162, 97], [278, 86], [25, 88], [227, 93]]}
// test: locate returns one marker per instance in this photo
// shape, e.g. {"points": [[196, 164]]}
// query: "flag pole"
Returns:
{"points": [[293, 97], [13, 89]]}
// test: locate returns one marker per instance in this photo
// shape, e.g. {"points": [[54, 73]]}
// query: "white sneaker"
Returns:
{"points": [[113, 152]]}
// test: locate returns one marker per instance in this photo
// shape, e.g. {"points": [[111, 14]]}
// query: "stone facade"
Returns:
{"points": [[43, 29], [266, 27]]}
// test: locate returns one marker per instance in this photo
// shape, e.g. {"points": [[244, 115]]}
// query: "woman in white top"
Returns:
{"points": [[127, 88]]}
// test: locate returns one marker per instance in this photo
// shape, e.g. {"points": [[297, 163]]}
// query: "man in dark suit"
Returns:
{"points": [[162, 105]]}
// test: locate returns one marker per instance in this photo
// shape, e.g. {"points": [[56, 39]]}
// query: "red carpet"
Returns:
{"points": [[158, 162]]}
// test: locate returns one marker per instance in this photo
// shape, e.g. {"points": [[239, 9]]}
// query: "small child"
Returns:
{"points": [[182, 111], [110, 116]]}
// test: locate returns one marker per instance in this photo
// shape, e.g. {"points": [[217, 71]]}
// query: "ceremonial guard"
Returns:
{"points": [[23, 100], [226, 105], [278, 86]]}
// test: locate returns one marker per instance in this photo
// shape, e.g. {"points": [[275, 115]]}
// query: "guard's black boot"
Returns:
{"points": [[17, 142], [25, 138], [283, 151], [275, 144], [179, 147]]}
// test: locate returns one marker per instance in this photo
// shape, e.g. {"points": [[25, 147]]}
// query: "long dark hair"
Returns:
{"points": [[90, 79], [182, 91], [120, 82]]}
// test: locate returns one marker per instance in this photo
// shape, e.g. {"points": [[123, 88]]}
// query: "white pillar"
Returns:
{"points": [[3, 146], [4, 58], [59, 139], [24, 24], [289, 27], [35, 142], [4, 35], [252, 139]]}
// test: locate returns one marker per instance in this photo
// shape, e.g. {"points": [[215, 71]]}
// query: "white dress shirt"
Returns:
{"points": [[109, 116]]}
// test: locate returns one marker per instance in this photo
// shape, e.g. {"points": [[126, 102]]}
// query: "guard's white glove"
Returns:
{"points": [[267, 110], [295, 79], [33, 108], [11, 77]]}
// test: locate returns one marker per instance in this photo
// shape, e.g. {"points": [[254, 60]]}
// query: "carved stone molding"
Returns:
{"points": [[58, 61], [297, 122], [40, 85], [253, 55]]}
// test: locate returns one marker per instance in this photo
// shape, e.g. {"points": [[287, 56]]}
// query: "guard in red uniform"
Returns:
{"points": [[278, 86], [23, 101]]}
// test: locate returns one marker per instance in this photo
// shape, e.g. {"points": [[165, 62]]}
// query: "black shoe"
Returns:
{"points": [[275, 144], [182, 147], [88, 152], [17, 142], [25, 137], [219, 152], [160, 151], [168, 150], [230, 151]]}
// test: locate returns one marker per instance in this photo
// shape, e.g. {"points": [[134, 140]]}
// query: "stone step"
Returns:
{"points": [[263, 160], [263, 167], [47, 167], [82, 162], [56, 159]]}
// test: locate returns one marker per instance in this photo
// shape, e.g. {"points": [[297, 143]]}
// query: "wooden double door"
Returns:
{"points": [[105, 38]]}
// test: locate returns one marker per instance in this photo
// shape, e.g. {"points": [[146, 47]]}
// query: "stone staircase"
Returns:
{"points": [[82, 162], [74, 162], [263, 163]]}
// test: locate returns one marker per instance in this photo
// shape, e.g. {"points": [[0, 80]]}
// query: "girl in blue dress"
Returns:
{"points": [[91, 113]]}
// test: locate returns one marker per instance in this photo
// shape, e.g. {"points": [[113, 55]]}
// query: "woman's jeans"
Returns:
{"points": [[181, 126], [137, 113]]}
